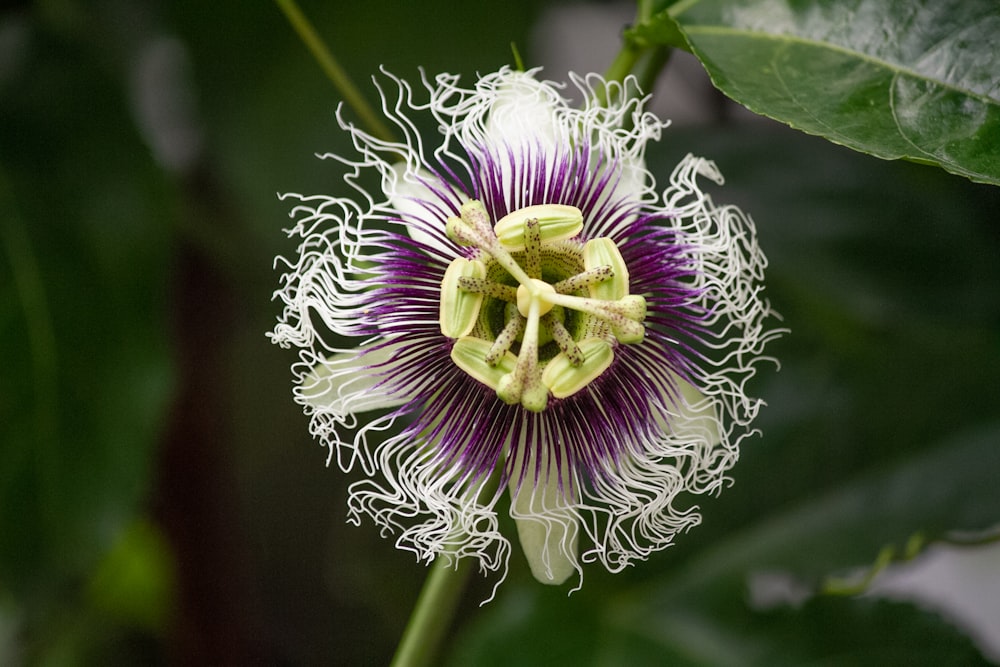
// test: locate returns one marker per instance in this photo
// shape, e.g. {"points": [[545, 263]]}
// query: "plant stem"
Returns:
{"points": [[644, 11], [624, 62], [631, 53], [654, 64], [432, 613], [439, 597], [337, 75]]}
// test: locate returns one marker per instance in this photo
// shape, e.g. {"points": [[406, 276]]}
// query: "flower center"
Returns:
{"points": [[537, 312]]}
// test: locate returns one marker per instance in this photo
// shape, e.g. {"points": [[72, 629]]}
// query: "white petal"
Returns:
{"points": [[348, 383], [405, 192], [696, 418], [547, 526], [523, 114], [634, 180]]}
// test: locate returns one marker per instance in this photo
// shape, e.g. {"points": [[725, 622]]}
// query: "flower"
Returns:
{"points": [[517, 302]]}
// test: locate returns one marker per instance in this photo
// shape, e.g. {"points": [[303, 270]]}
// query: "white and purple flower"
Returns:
{"points": [[516, 309]]}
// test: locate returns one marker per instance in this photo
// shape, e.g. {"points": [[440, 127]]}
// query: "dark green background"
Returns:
{"points": [[162, 502]]}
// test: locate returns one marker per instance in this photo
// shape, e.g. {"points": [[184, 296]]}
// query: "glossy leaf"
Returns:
{"points": [[912, 79]]}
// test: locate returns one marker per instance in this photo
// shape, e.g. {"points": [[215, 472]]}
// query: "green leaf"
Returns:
{"points": [[948, 490], [701, 610], [911, 79], [710, 626], [724, 630]]}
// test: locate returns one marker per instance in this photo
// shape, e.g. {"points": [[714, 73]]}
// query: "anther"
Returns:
{"points": [[564, 379], [603, 252], [459, 309], [488, 288], [563, 339], [507, 336], [470, 353], [556, 222], [585, 279]]}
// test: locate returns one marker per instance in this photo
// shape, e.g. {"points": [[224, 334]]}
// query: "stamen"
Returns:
{"points": [[532, 249], [604, 252], [563, 339], [470, 353], [585, 279], [557, 222], [524, 385], [563, 378], [489, 288], [507, 336]]}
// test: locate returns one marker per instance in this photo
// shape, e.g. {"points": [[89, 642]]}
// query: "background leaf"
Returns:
{"points": [[914, 79], [947, 490], [712, 627], [82, 286]]}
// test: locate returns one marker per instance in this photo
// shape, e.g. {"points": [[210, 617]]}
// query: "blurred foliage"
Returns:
{"points": [[141, 147]]}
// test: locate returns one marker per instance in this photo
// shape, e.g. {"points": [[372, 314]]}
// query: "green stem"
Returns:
{"points": [[341, 81], [645, 10], [624, 62], [631, 53], [438, 599], [432, 613], [655, 63]]}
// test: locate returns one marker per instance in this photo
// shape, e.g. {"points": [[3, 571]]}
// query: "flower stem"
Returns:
{"points": [[624, 62], [644, 11], [438, 599], [341, 80], [432, 613], [631, 53], [654, 64]]}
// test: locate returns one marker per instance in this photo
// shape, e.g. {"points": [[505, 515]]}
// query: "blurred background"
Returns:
{"points": [[161, 501]]}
